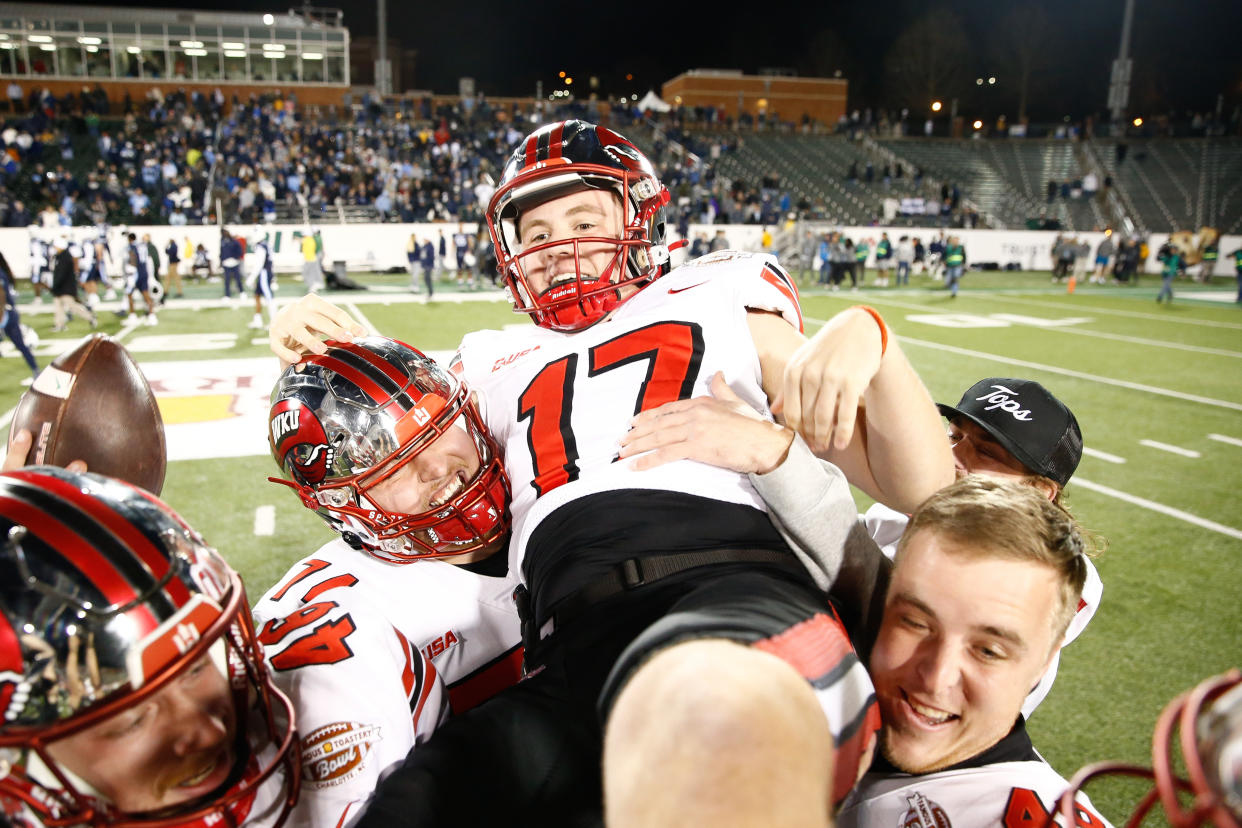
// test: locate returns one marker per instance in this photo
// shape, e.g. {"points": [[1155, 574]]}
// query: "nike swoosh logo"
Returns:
{"points": [[687, 287]]}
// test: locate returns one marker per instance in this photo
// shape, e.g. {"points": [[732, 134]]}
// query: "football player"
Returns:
{"points": [[987, 578], [133, 689], [409, 613], [666, 595], [990, 576], [139, 277], [1003, 428], [263, 279]]}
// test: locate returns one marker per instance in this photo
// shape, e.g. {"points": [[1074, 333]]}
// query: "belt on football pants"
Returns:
{"points": [[631, 574]]}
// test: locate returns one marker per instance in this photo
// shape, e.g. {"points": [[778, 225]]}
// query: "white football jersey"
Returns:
{"points": [[1000, 795], [374, 656], [559, 403]]}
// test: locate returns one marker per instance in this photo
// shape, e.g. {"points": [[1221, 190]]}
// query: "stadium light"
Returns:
{"points": [[268, 20], [936, 105]]}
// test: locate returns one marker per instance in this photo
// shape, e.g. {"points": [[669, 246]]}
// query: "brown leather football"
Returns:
{"points": [[93, 404]]}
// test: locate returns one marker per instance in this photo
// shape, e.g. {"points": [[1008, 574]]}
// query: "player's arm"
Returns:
{"points": [[858, 403], [301, 327]]}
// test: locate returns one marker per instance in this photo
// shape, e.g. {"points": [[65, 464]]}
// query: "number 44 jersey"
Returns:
{"points": [[559, 403], [375, 655]]}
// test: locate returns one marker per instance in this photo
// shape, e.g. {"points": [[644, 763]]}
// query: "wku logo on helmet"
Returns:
{"points": [[299, 441]]}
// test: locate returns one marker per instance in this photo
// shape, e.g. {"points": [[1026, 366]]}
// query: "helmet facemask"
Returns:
{"points": [[563, 160]]}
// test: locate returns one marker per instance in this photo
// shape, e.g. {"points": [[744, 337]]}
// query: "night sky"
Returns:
{"points": [[1186, 51]]}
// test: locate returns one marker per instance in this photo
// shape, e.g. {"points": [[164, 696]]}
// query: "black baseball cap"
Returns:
{"points": [[1026, 419]]}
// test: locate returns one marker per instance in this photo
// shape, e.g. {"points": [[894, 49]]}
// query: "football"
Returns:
{"points": [[93, 404]]}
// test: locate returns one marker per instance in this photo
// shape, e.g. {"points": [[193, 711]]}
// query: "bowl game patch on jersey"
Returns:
{"points": [[336, 753]]}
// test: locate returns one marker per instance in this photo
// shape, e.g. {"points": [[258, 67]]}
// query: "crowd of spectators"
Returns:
{"points": [[70, 161], [190, 157]]}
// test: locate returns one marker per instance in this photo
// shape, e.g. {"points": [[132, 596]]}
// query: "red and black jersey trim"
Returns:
{"points": [[776, 276], [505, 670]]}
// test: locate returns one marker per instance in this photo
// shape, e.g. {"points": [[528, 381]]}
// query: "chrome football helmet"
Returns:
{"points": [[1208, 719], [107, 599], [557, 160], [344, 422]]}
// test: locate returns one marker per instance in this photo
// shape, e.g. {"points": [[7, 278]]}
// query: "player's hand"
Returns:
{"points": [[302, 326], [19, 450], [721, 430], [825, 380]]}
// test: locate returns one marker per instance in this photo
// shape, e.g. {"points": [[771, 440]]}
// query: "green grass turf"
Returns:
{"points": [[1170, 615]]}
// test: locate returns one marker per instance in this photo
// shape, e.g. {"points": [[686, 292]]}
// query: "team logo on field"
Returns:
{"points": [[336, 753], [923, 813], [298, 438]]}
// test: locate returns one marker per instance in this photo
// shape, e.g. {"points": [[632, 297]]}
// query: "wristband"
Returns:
{"points": [[879, 320]]}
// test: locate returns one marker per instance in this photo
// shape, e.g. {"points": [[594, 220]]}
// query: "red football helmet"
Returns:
{"points": [[1210, 720], [112, 613], [560, 159], [345, 421]]}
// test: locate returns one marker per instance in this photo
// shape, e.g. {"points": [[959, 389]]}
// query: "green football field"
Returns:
{"points": [[1156, 388]]}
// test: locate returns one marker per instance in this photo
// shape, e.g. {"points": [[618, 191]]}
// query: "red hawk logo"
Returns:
{"points": [[299, 439]]}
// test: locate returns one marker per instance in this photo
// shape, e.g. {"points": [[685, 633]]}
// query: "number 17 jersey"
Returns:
{"points": [[560, 403]]}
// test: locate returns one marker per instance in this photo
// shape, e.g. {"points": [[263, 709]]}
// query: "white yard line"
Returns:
{"points": [[1156, 444], [1158, 507], [1221, 438], [265, 521], [1038, 366], [1103, 455], [1070, 329], [1205, 323], [1153, 343]]}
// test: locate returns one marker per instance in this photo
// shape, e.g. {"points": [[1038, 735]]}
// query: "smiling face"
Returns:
{"points": [[432, 477], [586, 213], [964, 638], [173, 747]]}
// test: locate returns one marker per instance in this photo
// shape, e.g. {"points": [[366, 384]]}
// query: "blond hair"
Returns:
{"points": [[1012, 520]]}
